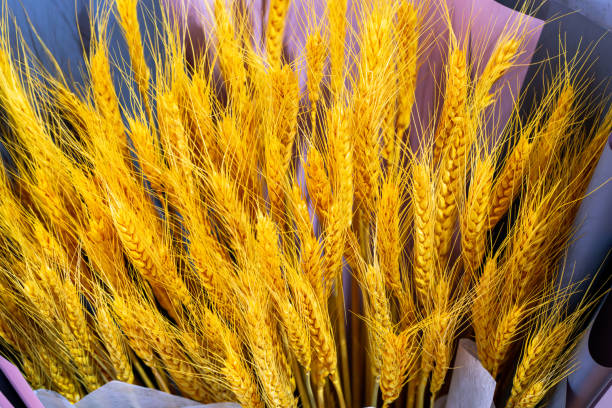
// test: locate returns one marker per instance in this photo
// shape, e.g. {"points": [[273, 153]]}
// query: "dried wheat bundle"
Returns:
{"points": [[200, 238]]}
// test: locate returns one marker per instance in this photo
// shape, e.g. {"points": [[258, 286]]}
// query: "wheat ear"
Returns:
{"points": [[474, 216], [452, 141], [277, 13], [388, 240], [423, 204], [508, 182]]}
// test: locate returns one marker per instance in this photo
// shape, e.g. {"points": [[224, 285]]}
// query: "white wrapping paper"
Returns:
{"points": [[119, 394], [471, 384]]}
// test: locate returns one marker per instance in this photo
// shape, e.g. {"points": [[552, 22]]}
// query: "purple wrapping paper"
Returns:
{"points": [[593, 226], [20, 385]]}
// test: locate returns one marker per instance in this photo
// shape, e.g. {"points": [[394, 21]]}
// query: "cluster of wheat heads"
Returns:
{"points": [[207, 252]]}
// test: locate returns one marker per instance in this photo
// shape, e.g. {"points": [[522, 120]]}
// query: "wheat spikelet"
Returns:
{"points": [[548, 140], [438, 338], [474, 215], [484, 309], [397, 357], [40, 300], [365, 126], [336, 15], [230, 208], [444, 323], [508, 182], [276, 27], [33, 374], [375, 75], [318, 182], [297, 335], [340, 165], [527, 243], [7, 332], [275, 382], [267, 250], [316, 54], [379, 313], [312, 265], [82, 360], [541, 353], [128, 17], [502, 338], [388, 245], [240, 380], [532, 396], [334, 248], [423, 204], [275, 174], [283, 350], [50, 171], [504, 54], [182, 371], [319, 326], [100, 242], [454, 139], [112, 339], [130, 315], [148, 155], [200, 119], [310, 249], [60, 377], [237, 160], [104, 90], [79, 339], [407, 30], [285, 99], [135, 244], [230, 54], [172, 135], [453, 113], [299, 210]]}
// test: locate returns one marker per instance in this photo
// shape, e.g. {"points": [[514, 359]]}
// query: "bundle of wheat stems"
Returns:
{"points": [[207, 253]]}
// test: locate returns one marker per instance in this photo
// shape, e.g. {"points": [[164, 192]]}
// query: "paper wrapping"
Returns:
{"points": [[593, 225], [606, 399], [471, 384], [593, 376], [17, 386], [120, 394]]}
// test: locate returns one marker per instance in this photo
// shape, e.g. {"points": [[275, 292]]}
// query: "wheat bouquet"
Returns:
{"points": [[204, 235]]}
